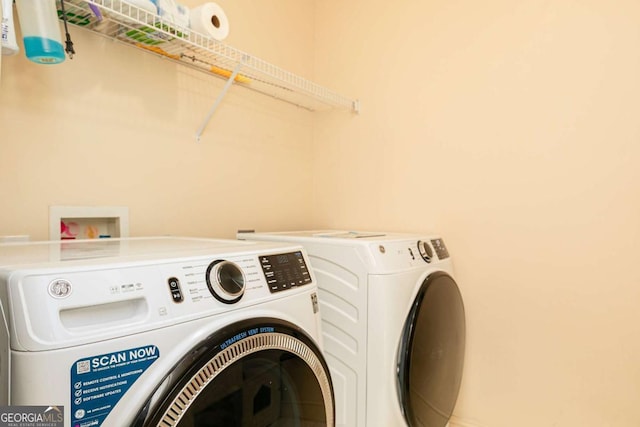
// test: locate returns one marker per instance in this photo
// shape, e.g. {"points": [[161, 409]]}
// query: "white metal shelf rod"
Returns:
{"points": [[218, 100]]}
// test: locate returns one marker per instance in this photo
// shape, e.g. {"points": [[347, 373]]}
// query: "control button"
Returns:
{"points": [[425, 250], [226, 281], [174, 288]]}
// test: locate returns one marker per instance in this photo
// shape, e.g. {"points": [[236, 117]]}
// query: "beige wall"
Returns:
{"points": [[511, 127], [0, 53], [116, 126]]}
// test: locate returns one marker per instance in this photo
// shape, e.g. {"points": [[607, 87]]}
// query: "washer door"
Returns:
{"points": [[258, 372], [431, 353]]}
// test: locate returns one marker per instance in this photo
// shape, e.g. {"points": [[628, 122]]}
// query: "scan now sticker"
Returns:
{"points": [[31, 416], [99, 382]]}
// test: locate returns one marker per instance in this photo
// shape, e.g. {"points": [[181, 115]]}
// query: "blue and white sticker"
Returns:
{"points": [[99, 382]]}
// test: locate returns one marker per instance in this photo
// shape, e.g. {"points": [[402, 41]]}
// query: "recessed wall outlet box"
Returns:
{"points": [[88, 222]]}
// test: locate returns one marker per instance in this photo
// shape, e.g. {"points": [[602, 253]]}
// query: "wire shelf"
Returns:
{"points": [[126, 23]]}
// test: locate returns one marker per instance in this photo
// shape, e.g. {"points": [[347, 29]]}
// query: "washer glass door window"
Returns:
{"points": [[264, 373], [431, 353]]}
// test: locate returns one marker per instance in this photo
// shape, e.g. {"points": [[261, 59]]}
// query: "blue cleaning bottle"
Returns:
{"points": [[40, 31]]}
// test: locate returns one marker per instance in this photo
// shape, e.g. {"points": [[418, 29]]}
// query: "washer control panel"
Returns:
{"points": [[74, 302], [285, 271]]}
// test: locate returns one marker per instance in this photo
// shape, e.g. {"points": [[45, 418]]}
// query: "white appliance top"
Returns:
{"points": [[381, 252], [101, 251], [344, 237]]}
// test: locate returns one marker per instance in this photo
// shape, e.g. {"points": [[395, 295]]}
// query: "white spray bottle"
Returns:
{"points": [[9, 43], [40, 31]]}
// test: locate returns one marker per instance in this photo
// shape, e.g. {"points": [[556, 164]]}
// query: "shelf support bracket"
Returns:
{"points": [[218, 100]]}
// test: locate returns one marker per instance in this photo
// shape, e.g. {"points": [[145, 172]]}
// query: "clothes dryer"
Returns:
{"points": [[163, 332], [393, 324]]}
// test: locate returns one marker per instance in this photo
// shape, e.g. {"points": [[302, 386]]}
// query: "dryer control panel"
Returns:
{"points": [[426, 250], [440, 248], [285, 271]]}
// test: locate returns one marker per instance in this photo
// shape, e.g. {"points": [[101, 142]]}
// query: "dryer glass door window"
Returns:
{"points": [[430, 357], [275, 378]]}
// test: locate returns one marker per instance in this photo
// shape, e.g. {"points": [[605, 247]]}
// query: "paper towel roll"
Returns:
{"points": [[209, 19]]}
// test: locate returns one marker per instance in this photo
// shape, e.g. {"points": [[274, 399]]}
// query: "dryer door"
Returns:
{"points": [[431, 353], [258, 372]]}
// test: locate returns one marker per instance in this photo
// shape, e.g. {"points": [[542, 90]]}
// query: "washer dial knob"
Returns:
{"points": [[226, 281], [425, 250]]}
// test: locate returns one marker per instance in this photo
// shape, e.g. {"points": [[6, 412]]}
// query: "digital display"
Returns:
{"points": [[282, 259], [285, 271], [441, 249]]}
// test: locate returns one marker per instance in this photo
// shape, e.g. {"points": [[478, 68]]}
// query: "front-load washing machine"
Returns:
{"points": [[393, 324], [162, 332]]}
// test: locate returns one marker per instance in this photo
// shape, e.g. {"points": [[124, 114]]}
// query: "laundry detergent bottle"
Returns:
{"points": [[40, 31]]}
